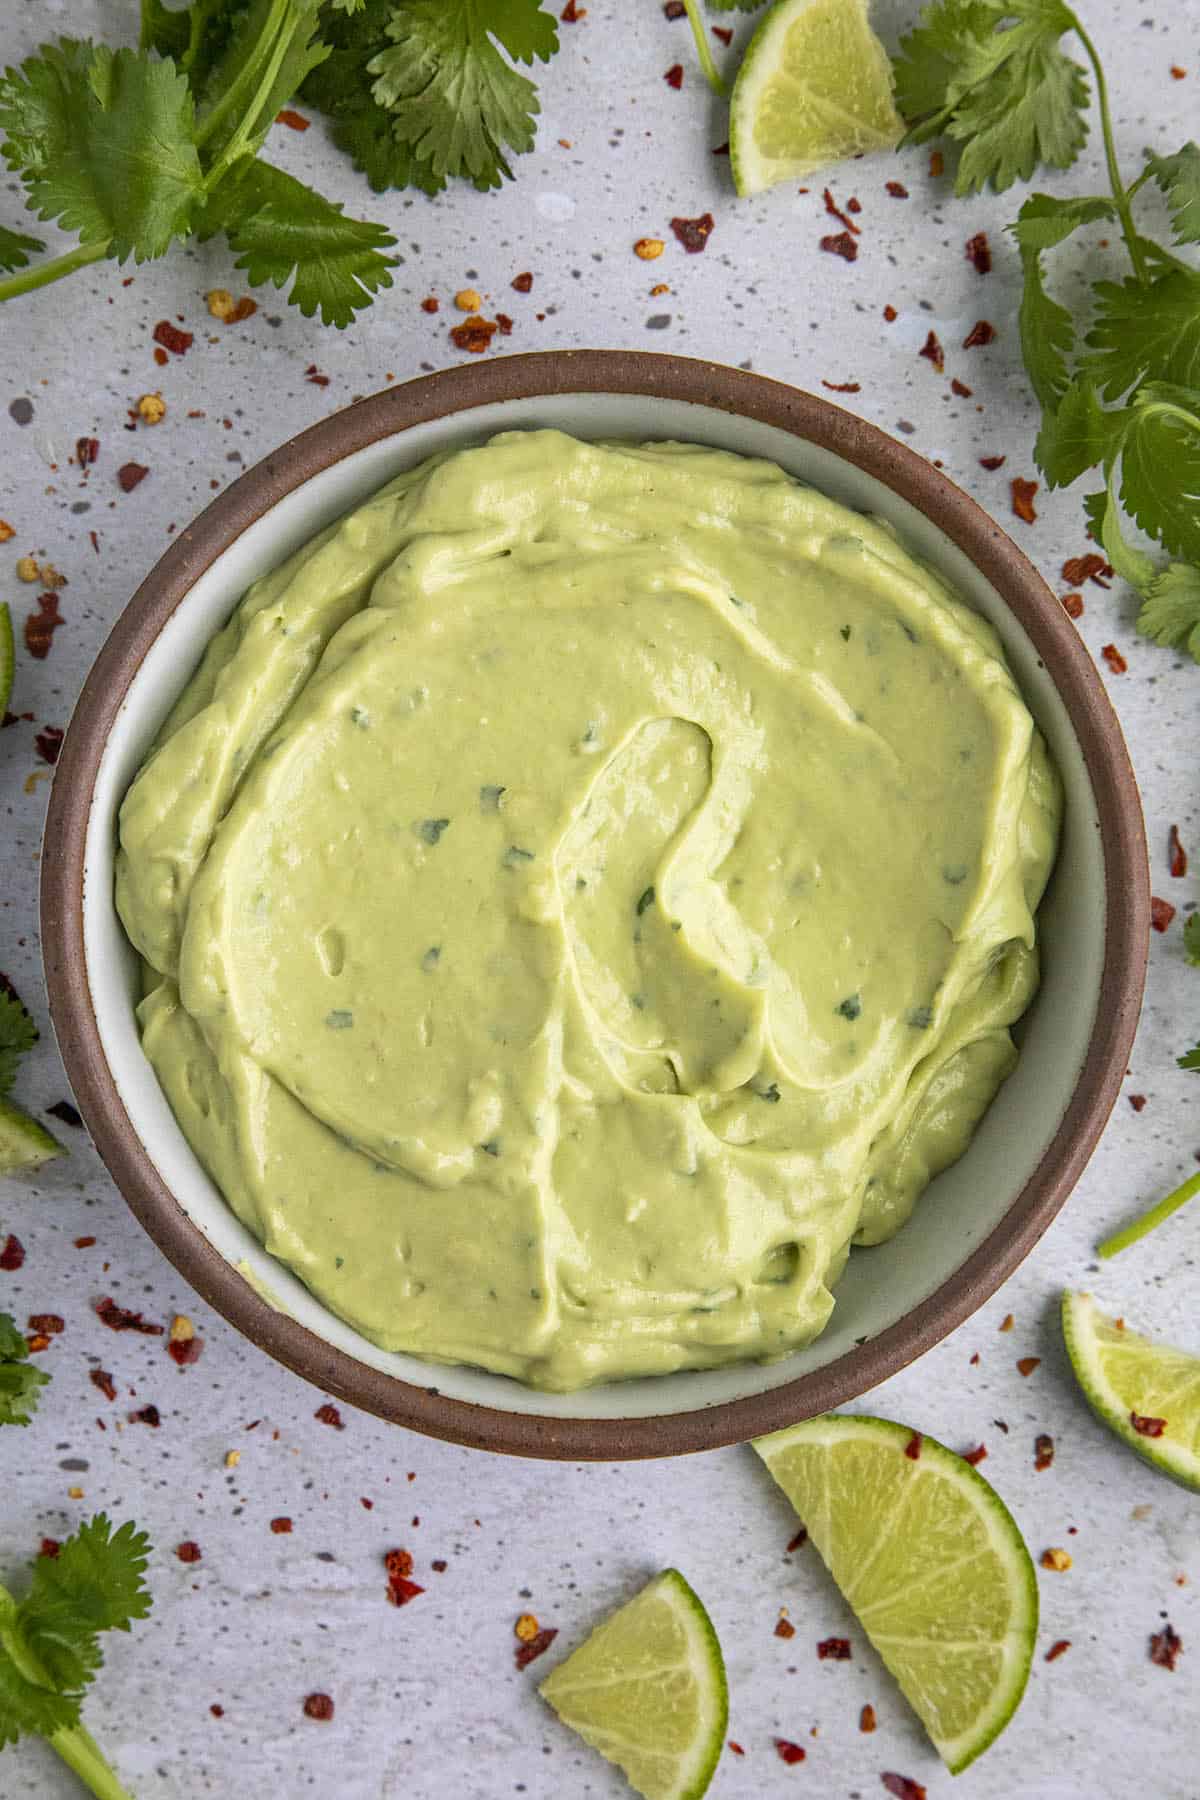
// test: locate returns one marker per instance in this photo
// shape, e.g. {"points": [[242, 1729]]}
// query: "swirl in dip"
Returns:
{"points": [[580, 894]]}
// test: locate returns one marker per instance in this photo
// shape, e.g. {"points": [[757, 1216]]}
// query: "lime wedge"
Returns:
{"points": [[647, 1690], [24, 1144], [1149, 1394], [815, 86], [6, 657], [928, 1556]]}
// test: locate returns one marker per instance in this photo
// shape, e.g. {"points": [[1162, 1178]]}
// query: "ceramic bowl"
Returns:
{"points": [[976, 1222]]}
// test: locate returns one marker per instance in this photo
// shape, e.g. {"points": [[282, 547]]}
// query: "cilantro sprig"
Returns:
{"points": [[50, 1642], [136, 150], [1123, 393], [19, 1378]]}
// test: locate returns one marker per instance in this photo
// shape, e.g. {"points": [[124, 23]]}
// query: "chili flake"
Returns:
{"points": [[572, 13], [834, 1649], [937, 163], [1072, 605], [1177, 862], [896, 189], [1056, 1559], [795, 1543], [398, 1562], [1022, 498], [223, 306], [1007, 1322], [46, 1324], [693, 234], [329, 1415], [81, 1243], [1043, 1450], [979, 254], [674, 9], [982, 332], [1027, 1364], [736, 1748], [189, 1551], [217, 1711], [522, 283], [313, 374], [50, 1547], [87, 449], [41, 625], [537, 1646], [789, 1752], [900, 1786], [48, 743], [1166, 1647], [101, 1379], [1142, 1424], [439, 1565], [118, 1318], [835, 212], [129, 474], [7, 531], [890, 313], [294, 120], [474, 334], [1089, 567], [1161, 913], [784, 1628], [674, 76], [13, 1254], [961, 389], [281, 1527], [171, 338], [841, 244], [430, 304], [932, 351], [913, 1447], [842, 387], [975, 1456], [505, 324], [400, 1590], [148, 1415], [1114, 659], [866, 1718], [723, 32], [318, 1706], [992, 462], [1058, 1648], [1137, 1101]]}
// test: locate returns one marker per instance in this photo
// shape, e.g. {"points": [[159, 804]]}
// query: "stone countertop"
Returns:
{"points": [[428, 1702]]}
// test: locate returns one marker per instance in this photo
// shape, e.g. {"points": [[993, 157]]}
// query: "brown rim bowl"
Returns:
{"points": [[976, 1222]]}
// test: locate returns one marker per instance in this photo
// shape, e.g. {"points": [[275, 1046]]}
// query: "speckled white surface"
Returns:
{"points": [[428, 1702]]}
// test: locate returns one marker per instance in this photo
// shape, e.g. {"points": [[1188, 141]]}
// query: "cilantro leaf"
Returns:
{"points": [[282, 231], [16, 248], [1191, 1058], [1179, 178], [263, 60], [103, 140], [19, 1378], [452, 95], [18, 1033], [1191, 926], [361, 127], [1170, 615], [1047, 333], [94, 1584], [1131, 564], [931, 58], [1160, 468], [25, 1705], [1045, 221], [1077, 433], [1145, 330]]}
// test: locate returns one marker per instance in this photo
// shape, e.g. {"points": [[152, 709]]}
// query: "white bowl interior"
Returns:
{"points": [[962, 1206]]}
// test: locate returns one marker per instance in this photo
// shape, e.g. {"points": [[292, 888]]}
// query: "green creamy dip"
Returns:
{"points": [[581, 893]]}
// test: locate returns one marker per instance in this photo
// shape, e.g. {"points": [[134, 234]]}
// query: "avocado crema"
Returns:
{"points": [[581, 893]]}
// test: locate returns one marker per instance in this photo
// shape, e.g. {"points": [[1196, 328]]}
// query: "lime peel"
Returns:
{"points": [[1126, 1376]]}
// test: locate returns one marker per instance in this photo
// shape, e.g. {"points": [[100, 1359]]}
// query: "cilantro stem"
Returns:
{"points": [[80, 1751], [41, 274], [249, 124], [1148, 1221], [703, 49], [1119, 193]]}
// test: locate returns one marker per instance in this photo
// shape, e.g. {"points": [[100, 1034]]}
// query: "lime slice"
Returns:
{"points": [[647, 1690], [24, 1144], [928, 1556], [6, 657], [1127, 1378], [815, 86]]}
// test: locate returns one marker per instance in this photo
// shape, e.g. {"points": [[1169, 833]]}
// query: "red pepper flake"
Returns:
{"points": [[674, 9], [674, 76], [313, 374], [522, 283], [87, 449], [961, 389], [1177, 862], [81, 1243], [39, 1341], [572, 13], [118, 1318], [281, 1526], [975, 1456], [854, 204], [1147, 1427], [724, 33], [1043, 1450], [473, 334], [430, 303], [982, 332], [293, 120], [979, 254], [913, 1447], [834, 1649], [1073, 605], [1058, 1648], [41, 625], [101, 1379], [992, 462], [13, 1254], [937, 163], [218, 1712], [129, 474], [693, 234], [836, 212], [1114, 659], [784, 1628], [1178, 73], [842, 387], [1007, 1322], [900, 1786], [796, 1543], [1089, 567], [148, 1415], [185, 1351], [1161, 913], [524, 1654], [401, 1590], [1027, 1364], [896, 189], [46, 1324], [1022, 498], [789, 1752], [505, 324], [50, 1547], [318, 1706], [736, 1748], [398, 1562], [368, 1504], [1166, 1647], [1137, 1101], [866, 1718], [329, 1415], [932, 351], [160, 356], [890, 313], [974, 1359], [439, 1565], [842, 245], [171, 338], [189, 1551]]}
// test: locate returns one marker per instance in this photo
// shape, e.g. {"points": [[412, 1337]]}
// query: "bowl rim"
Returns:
{"points": [[638, 374]]}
